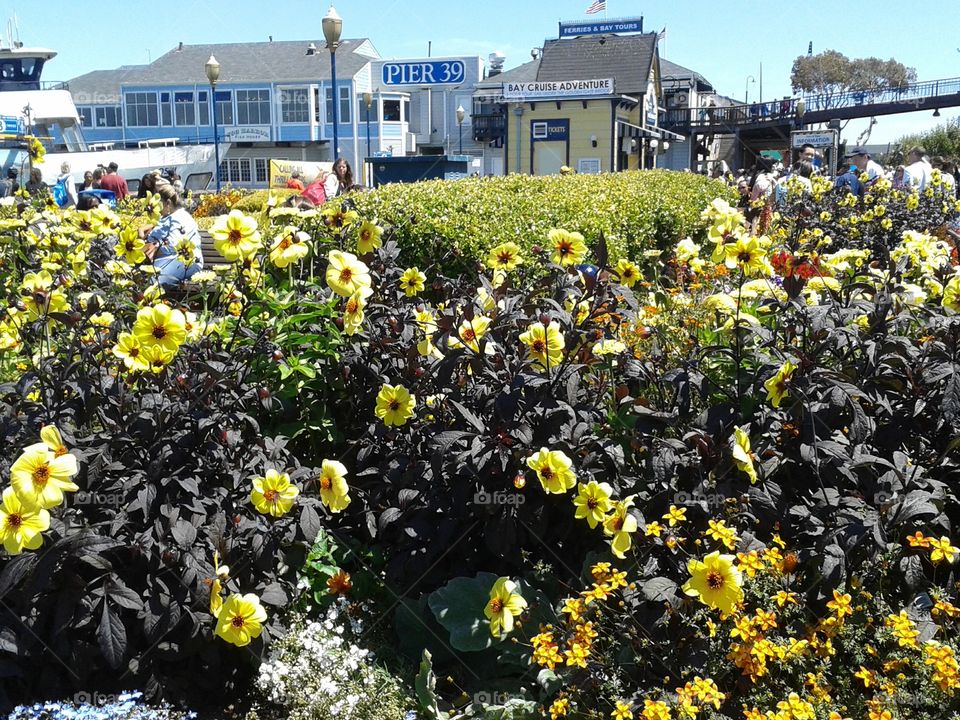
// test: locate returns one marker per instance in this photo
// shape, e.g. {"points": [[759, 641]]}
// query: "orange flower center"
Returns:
{"points": [[564, 248], [496, 605], [271, 496], [618, 524], [238, 621], [592, 503], [394, 405], [41, 475], [235, 237], [325, 483], [352, 306], [285, 243], [346, 275], [159, 332], [539, 346], [546, 472], [505, 258], [60, 451], [714, 580], [469, 335], [133, 352], [14, 520]]}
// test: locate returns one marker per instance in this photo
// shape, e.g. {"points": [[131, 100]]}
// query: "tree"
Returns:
{"points": [[831, 74], [942, 140]]}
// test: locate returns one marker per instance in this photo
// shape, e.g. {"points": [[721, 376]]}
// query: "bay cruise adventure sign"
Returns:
{"points": [[557, 89]]}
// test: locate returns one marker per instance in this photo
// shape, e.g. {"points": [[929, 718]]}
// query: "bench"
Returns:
{"points": [[211, 256]]}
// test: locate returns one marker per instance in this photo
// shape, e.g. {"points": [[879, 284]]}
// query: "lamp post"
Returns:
{"points": [[213, 74], [332, 27], [461, 113], [368, 101], [746, 89]]}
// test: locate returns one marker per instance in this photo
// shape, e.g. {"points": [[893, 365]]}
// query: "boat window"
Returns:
{"points": [[197, 181]]}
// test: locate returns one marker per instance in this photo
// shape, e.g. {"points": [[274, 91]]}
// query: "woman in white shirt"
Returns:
{"points": [[340, 180]]}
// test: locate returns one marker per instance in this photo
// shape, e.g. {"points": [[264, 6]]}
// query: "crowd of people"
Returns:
{"points": [[104, 179], [765, 184]]}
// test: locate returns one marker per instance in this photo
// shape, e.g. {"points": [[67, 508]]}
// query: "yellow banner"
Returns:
{"points": [[281, 170]]}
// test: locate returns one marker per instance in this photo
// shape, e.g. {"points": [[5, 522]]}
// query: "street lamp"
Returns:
{"points": [[368, 101], [213, 74], [746, 89], [461, 113], [332, 27]]}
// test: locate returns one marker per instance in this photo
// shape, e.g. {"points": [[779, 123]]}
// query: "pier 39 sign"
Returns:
{"points": [[557, 89], [424, 72]]}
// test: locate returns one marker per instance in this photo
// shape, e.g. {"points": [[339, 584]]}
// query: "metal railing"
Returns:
{"points": [[18, 85], [915, 94], [488, 127]]}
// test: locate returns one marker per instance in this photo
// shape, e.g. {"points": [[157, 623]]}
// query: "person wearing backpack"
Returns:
{"points": [[65, 189]]}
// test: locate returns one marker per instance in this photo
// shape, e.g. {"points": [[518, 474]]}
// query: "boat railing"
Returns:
{"points": [[20, 85]]}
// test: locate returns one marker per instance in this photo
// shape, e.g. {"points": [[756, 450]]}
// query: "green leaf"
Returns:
{"points": [[458, 606]]}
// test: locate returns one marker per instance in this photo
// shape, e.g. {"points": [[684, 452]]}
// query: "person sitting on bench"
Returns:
{"points": [[176, 225]]}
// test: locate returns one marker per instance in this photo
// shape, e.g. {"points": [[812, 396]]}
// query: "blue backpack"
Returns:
{"points": [[59, 192]]}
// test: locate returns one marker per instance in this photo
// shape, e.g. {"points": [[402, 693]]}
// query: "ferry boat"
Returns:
{"points": [[31, 107]]}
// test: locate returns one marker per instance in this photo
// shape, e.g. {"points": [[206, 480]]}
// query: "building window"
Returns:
{"points": [[253, 107], [166, 110], [203, 107], [391, 111], [343, 117], [362, 110], [142, 109], [261, 167], [236, 170], [294, 105], [108, 116], [224, 102], [185, 110], [86, 116]]}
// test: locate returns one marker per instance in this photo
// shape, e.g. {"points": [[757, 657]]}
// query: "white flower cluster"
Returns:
{"points": [[315, 668]]}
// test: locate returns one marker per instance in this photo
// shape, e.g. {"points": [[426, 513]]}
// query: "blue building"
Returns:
{"points": [[273, 100]]}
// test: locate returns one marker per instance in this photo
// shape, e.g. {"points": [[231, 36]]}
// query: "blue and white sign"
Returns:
{"points": [[546, 130], [424, 72], [12, 125], [602, 27]]}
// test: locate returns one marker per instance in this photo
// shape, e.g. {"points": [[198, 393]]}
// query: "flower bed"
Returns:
{"points": [[709, 479]]}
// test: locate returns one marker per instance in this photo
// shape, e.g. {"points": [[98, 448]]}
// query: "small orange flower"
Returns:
{"points": [[340, 583]]}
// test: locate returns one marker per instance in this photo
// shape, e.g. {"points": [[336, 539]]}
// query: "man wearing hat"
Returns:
{"points": [[113, 182], [864, 164]]}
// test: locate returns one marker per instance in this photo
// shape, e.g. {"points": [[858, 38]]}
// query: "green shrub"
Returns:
{"points": [[635, 211]]}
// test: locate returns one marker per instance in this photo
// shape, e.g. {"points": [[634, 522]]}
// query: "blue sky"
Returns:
{"points": [[724, 41]]}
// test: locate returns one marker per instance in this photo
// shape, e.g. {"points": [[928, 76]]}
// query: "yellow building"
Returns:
{"points": [[590, 103]]}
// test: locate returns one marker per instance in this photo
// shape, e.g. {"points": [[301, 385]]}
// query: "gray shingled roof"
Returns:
{"points": [[673, 71], [95, 88], [625, 58], [522, 73], [280, 61]]}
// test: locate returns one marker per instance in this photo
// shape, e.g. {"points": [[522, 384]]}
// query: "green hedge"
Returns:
{"points": [[636, 211]]}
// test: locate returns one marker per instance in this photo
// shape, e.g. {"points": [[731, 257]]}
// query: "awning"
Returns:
{"points": [[638, 131]]}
